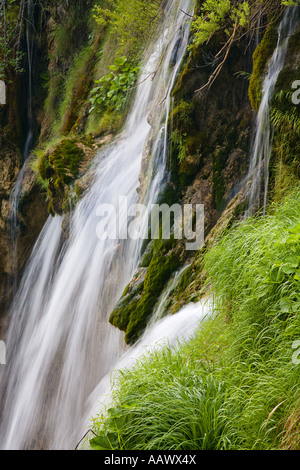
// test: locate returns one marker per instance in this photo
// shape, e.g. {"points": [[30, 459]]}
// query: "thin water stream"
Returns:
{"points": [[262, 146]]}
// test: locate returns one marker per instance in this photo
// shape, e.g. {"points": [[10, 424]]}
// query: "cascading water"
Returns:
{"points": [[60, 344], [262, 147]]}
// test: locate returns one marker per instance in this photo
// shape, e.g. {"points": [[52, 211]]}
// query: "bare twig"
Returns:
{"points": [[90, 430], [215, 74], [187, 14]]}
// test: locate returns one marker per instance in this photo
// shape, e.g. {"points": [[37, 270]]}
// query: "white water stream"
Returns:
{"points": [[262, 147], [60, 344]]}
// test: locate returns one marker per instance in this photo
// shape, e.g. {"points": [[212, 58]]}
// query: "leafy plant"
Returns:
{"points": [[179, 140], [229, 15], [231, 19], [113, 89]]}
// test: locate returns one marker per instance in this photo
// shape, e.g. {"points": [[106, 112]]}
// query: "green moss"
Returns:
{"points": [[182, 78], [58, 169], [261, 57], [147, 256], [186, 138], [182, 116]]}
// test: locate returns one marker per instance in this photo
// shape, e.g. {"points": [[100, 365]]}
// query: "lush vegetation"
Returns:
{"points": [[11, 24], [235, 385], [131, 22]]}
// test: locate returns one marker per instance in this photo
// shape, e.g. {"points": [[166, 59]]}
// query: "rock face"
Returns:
{"points": [[9, 168]]}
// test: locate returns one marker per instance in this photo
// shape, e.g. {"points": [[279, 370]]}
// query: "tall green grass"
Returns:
{"points": [[234, 385], [164, 402]]}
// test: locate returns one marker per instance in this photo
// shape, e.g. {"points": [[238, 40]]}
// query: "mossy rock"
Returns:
{"points": [[261, 58], [190, 165], [58, 169], [148, 255], [136, 306], [182, 116]]}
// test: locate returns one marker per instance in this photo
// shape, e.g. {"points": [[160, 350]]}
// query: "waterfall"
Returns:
{"points": [[60, 344], [262, 146]]}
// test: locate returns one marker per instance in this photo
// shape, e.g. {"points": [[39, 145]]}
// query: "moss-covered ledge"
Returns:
{"points": [[57, 168], [261, 57], [132, 312]]}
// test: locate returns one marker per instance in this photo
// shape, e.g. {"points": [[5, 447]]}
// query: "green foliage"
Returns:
{"points": [[11, 28], [132, 22], [230, 16], [178, 139], [290, 3], [112, 90], [185, 137], [260, 265], [216, 15]]}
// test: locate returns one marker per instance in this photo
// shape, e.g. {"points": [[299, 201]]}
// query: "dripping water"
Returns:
{"points": [[15, 193], [262, 146]]}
